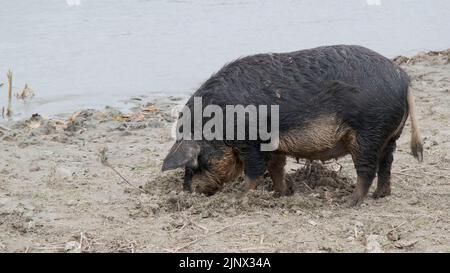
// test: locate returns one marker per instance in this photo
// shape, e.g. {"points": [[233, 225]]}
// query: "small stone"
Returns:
{"points": [[393, 236], [61, 172], [126, 133], [405, 244], [72, 247], [413, 201], [372, 245], [71, 203], [326, 213], [35, 168]]}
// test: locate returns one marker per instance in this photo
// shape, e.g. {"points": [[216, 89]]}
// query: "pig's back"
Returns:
{"points": [[284, 78]]}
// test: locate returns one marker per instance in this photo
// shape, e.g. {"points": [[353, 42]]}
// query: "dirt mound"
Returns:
{"points": [[430, 58], [316, 178], [313, 186]]}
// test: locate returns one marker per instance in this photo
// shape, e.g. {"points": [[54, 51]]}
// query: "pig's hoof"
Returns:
{"points": [[381, 192], [289, 193], [356, 200], [277, 194], [285, 192]]}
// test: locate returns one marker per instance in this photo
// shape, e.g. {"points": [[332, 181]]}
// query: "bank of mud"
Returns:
{"points": [[56, 195]]}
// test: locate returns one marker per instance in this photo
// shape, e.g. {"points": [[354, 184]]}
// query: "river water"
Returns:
{"points": [[91, 53]]}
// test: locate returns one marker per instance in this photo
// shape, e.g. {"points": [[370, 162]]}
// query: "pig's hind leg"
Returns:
{"points": [[384, 171], [366, 163]]}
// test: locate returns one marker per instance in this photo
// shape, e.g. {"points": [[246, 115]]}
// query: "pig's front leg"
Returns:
{"points": [[255, 163], [187, 182], [275, 166], [252, 183]]}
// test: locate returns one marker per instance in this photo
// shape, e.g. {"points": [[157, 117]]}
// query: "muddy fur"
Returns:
{"points": [[323, 138]]}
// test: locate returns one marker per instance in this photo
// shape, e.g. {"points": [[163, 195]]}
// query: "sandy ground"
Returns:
{"points": [[57, 196]]}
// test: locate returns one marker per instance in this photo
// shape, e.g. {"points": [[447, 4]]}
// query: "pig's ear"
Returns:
{"points": [[183, 153]]}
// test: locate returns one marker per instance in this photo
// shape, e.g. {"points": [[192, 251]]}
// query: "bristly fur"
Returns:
{"points": [[354, 95]]}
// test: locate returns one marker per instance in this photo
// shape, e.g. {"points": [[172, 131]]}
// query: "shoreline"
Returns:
{"points": [[56, 194], [128, 103]]}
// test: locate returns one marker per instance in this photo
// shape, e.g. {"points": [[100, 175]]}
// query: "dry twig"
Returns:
{"points": [[104, 161], [211, 234], [5, 128]]}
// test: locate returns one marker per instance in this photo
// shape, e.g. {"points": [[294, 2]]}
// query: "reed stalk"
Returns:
{"points": [[9, 75]]}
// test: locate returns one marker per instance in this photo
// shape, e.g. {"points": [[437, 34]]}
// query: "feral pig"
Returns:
{"points": [[333, 101]]}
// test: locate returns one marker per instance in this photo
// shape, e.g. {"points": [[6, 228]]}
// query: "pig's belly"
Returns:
{"points": [[323, 138], [323, 154]]}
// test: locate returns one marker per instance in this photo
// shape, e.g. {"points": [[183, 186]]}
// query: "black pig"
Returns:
{"points": [[333, 101]]}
